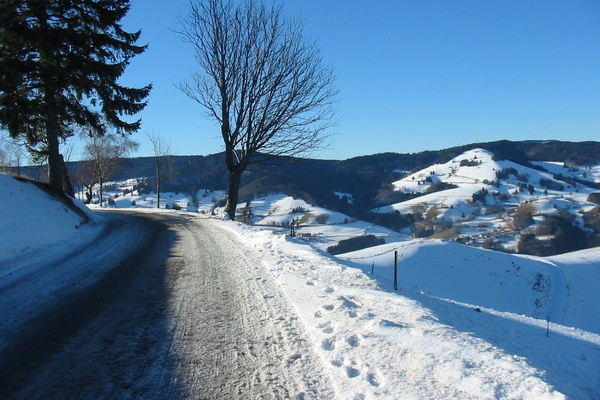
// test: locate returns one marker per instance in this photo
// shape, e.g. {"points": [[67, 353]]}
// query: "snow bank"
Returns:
{"points": [[31, 219]]}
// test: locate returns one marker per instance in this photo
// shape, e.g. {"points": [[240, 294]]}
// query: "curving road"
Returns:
{"points": [[159, 307]]}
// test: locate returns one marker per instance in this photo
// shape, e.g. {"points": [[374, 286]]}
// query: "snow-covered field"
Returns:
{"points": [[321, 227], [465, 323]]}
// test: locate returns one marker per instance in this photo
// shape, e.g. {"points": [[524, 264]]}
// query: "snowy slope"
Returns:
{"points": [[465, 324], [581, 273], [476, 169], [319, 226], [31, 219], [523, 285]]}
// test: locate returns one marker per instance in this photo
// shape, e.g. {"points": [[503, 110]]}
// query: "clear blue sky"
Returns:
{"points": [[413, 75]]}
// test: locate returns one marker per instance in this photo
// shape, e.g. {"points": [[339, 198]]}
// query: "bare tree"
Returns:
{"points": [[86, 179], [163, 161], [106, 153], [261, 80], [11, 153]]}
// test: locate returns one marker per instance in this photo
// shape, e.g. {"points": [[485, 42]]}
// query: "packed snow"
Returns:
{"points": [[465, 323]]}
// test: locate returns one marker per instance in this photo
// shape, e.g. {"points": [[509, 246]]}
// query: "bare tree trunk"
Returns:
{"points": [[157, 191], [233, 192], [101, 190], [158, 179], [162, 161], [88, 195]]}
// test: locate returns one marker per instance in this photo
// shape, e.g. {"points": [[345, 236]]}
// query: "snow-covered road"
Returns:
{"points": [[63, 315], [174, 309], [236, 334]]}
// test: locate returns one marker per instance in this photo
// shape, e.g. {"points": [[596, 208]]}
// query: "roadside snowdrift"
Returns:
{"points": [[31, 219]]}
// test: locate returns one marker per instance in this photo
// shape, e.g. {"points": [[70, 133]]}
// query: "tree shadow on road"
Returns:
{"points": [[111, 340]]}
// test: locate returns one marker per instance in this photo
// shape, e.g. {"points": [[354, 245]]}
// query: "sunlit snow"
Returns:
{"points": [[465, 323]]}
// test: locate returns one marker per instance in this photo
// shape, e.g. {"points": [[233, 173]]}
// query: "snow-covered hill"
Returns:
{"points": [[473, 197]]}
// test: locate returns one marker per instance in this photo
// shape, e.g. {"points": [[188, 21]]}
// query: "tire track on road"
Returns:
{"points": [[237, 335]]}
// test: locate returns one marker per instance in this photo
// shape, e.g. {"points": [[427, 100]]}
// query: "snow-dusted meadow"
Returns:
{"points": [[465, 323]]}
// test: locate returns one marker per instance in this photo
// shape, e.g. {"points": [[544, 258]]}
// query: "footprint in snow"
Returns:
{"points": [[373, 379], [386, 323], [326, 327], [353, 341], [352, 372], [329, 290], [336, 363], [349, 302], [328, 344]]}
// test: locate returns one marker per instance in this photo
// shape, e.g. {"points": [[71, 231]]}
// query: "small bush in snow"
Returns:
{"points": [[355, 243], [522, 219], [321, 219], [594, 198], [494, 209]]}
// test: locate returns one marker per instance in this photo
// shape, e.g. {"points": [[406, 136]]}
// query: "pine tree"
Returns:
{"points": [[59, 66]]}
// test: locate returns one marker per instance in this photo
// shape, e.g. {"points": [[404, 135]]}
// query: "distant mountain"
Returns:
{"points": [[364, 177], [530, 196]]}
